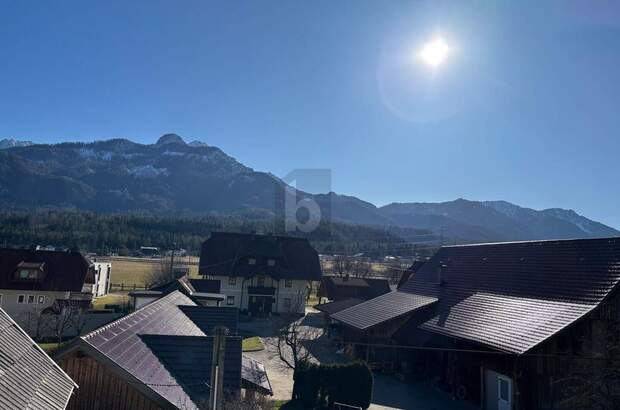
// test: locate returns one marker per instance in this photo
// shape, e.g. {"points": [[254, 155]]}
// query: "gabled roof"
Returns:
{"points": [[63, 270], [254, 376], [417, 264], [334, 307], [29, 378], [347, 287], [146, 345], [382, 309], [513, 296], [227, 254]]}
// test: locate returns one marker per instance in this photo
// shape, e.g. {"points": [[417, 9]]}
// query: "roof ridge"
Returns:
{"points": [[126, 317], [608, 238]]}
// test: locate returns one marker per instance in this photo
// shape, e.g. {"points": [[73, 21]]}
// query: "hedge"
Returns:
{"points": [[320, 386]]}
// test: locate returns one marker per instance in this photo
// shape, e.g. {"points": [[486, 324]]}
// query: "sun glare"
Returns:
{"points": [[435, 52]]}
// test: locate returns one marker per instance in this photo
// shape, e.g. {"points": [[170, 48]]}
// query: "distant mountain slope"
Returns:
{"points": [[11, 143], [119, 175]]}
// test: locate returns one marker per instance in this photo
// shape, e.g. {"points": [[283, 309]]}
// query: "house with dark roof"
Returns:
{"points": [[204, 292], [159, 357], [343, 287], [261, 274], [34, 282], [521, 325]]}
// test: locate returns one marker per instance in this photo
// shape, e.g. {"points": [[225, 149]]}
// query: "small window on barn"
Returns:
{"points": [[232, 281], [271, 262], [230, 300], [252, 261], [30, 298], [288, 283], [41, 299], [21, 298]]}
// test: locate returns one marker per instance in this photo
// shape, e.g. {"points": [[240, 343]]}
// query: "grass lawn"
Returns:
{"points": [[133, 272], [252, 344], [286, 405], [110, 299]]}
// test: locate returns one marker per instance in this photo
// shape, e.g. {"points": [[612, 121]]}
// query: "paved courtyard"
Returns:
{"points": [[388, 392]]}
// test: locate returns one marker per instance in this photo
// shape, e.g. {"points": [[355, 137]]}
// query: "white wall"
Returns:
{"points": [[297, 293], [103, 273]]}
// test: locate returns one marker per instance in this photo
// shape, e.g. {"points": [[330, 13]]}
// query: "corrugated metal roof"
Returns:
{"points": [[513, 296], [381, 309], [29, 378]]}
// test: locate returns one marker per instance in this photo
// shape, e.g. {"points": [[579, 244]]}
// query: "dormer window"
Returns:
{"points": [[251, 261], [30, 271], [271, 262]]}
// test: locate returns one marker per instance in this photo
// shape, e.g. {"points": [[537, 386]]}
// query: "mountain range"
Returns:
{"points": [[119, 175]]}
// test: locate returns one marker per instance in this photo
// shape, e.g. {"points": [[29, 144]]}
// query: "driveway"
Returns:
{"points": [[280, 375], [391, 393]]}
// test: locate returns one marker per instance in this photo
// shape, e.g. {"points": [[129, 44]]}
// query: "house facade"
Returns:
{"points": [[522, 325], [261, 274], [103, 275], [37, 282]]}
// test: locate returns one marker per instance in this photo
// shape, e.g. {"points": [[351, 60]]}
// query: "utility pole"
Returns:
{"points": [[217, 368]]}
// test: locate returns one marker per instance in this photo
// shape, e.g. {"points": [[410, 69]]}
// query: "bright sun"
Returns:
{"points": [[435, 52]]}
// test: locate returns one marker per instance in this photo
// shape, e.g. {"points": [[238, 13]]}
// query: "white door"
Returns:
{"points": [[504, 393]]}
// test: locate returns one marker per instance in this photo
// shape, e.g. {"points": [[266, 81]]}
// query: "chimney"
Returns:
{"points": [[440, 279]]}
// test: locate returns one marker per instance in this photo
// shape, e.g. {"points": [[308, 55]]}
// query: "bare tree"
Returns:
{"points": [[162, 272], [59, 319]]}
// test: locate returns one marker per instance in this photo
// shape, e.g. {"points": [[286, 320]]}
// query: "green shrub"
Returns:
{"points": [[319, 386]]}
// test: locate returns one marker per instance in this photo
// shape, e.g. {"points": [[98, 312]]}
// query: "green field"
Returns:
{"points": [[132, 271], [252, 344]]}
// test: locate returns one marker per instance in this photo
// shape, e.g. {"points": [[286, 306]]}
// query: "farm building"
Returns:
{"points": [[522, 325]]}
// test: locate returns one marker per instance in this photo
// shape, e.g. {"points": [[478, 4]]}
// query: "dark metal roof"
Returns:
{"points": [[228, 254], [513, 296], [254, 376], [382, 309], [189, 359], [339, 287], [29, 378], [209, 317], [334, 307], [205, 285], [63, 270], [120, 342], [417, 264]]}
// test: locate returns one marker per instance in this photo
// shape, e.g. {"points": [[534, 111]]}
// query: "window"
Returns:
{"points": [[260, 281], [41, 299], [30, 298], [271, 262], [232, 281], [504, 389], [288, 283], [23, 274], [287, 303], [251, 261], [21, 298], [230, 300]]}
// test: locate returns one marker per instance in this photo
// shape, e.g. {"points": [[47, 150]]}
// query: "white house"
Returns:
{"points": [[261, 274], [35, 282], [103, 275]]}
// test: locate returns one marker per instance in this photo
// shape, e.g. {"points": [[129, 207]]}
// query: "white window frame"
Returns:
{"points": [[271, 262], [252, 261], [230, 300], [31, 302], [23, 297], [508, 381], [41, 299], [232, 281]]}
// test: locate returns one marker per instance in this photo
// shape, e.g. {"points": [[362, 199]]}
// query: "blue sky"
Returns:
{"points": [[525, 108]]}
